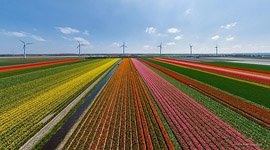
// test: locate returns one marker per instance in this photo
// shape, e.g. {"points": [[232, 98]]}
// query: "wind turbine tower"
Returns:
{"points": [[79, 47], [160, 48], [123, 46], [190, 46], [24, 47], [216, 50]]}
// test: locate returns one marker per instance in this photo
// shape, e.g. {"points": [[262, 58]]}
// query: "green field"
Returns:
{"points": [[241, 65], [18, 61], [250, 129], [250, 92]]}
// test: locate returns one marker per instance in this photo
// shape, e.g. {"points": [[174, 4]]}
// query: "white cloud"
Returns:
{"points": [[38, 38], [86, 32], [173, 30], [179, 37], [115, 44], [15, 34], [188, 11], [67, 30], [153, 31], [67, 38], [150, 30], [161, 34], [216, 37], [229, 38], [229, 26], [82, 40], [170, 43], [21, 34]]}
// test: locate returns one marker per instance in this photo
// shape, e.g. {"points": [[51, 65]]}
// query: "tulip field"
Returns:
{"points": [[31, 60], [250, 91], [194, 126], [38, 64], [147, 103], [122, 116], [26, 99], [258, 114], [263, 77], [245, 66]]}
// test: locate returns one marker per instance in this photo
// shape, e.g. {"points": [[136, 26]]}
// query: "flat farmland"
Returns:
{"points": [[151, 103]]}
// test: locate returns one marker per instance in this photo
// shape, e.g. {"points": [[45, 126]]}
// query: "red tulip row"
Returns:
{"points": [[122, 116], [193, 125], [249, 110], [248, 75], [35, 65]]}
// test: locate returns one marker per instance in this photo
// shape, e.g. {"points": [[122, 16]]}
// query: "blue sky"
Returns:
{"points": [[102, 25]]}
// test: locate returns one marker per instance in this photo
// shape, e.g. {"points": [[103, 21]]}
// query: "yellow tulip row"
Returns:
{"points": [[18, 124]]}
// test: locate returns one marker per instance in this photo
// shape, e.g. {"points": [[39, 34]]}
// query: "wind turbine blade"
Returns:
{"points": [[22, 41], [28, 43]]}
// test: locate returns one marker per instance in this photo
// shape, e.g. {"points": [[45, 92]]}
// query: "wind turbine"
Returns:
{"points": [[123, 46], [160, 47], [190, 46], [24, 47], [216, 50], [79, 47]]}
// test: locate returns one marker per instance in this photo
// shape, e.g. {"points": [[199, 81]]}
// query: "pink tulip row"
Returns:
{"points": [[193, 125], [248, 75]]}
